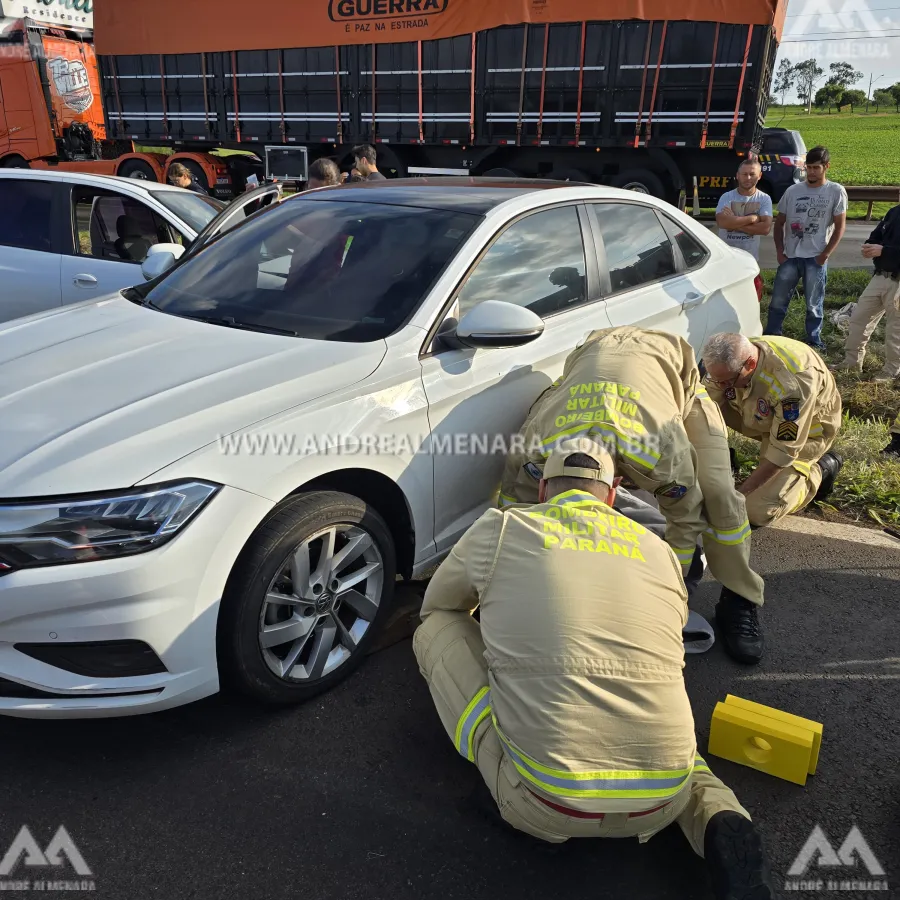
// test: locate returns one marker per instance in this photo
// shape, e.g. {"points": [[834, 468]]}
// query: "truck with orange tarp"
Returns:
{"points": [[618, 93]]}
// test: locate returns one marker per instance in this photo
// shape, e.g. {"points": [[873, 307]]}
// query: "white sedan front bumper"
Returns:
{"points": [[167, 598]]}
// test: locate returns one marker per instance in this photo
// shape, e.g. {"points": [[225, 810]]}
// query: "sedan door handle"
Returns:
{"points": [[691, 300], [85, 281]]}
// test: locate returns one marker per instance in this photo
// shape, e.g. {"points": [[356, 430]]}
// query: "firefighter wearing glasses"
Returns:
{"points": [[638, 392], [569, 695], [780, 392]]}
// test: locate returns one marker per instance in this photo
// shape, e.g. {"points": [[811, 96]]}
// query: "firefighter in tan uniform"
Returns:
{"points": [[569, 695], [638, 392], [780, 392]]}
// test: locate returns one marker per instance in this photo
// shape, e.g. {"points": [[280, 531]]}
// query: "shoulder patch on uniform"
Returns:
{"points": [[787, 431], [672, 490], [533, 471], [763, 406], [790, 408]]}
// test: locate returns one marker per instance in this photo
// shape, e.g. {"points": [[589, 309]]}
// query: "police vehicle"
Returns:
{"points": [[782, 155]]}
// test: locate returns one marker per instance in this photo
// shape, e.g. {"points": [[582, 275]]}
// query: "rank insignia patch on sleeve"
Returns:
{"points": [[790, 408], [533, 471], [673, 491], [787, 431]]}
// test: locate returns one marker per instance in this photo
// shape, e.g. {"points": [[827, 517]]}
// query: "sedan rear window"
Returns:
{"points": [[195, 209], [328, 270]]}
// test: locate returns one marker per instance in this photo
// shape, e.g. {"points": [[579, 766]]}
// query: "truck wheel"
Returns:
{"points": [[641, 181], [15, 162], [390, 162], [197, 171], [137, 169], [306, 598]]}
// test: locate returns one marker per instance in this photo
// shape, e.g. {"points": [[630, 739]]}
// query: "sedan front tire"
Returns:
{"points": [[306, 598]]}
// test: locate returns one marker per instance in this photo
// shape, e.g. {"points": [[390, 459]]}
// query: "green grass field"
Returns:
{"points": [[865, 147]]}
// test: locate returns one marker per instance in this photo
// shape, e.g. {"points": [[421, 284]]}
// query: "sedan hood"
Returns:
{"points": [[102, 395]]}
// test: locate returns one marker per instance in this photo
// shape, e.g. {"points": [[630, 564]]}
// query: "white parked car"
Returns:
{"points": [[219, 474], [67, 237]]}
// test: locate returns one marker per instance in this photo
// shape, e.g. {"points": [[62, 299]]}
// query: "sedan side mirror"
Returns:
{"points": [[496, 323], [160, 258]]}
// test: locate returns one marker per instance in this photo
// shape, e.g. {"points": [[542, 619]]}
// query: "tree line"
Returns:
{"points": [[837, 91]]}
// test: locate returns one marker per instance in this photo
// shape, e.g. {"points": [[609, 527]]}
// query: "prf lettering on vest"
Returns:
{"points": [[603, 401], [590, 531]]}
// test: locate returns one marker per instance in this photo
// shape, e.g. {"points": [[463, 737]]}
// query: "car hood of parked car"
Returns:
{"points": [[101, 395]]}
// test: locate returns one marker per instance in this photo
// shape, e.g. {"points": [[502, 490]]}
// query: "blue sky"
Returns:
{"points": [[854, 31]]}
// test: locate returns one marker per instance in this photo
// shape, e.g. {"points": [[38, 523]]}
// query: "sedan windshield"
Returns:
{"points": [[195, 209], [329, 270]]}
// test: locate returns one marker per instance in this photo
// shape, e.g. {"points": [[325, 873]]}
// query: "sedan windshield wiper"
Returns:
{"points": [[231, 322]]}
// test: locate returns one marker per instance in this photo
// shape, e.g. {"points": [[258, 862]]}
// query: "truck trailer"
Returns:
{"points": [[618, 93]]}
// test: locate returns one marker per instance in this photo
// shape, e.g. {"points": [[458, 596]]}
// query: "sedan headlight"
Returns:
{"points": [[51, 532]]}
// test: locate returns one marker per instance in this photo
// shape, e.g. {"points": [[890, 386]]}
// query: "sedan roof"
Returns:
{"points": [[461, 194], [90, 178]]}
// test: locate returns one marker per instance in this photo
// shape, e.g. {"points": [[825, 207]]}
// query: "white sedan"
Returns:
{"points": [[218, 475]]}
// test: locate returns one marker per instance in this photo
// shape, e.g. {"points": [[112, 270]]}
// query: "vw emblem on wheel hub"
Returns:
{"points": [[323, 602]]}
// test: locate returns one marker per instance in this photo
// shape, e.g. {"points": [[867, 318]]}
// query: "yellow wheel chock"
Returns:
{"points": [[767, 739]]}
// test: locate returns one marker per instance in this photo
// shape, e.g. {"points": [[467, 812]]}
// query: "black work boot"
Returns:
{"points": [[735, 859], [698, 566], [739, 624], [830, 464], [894, 445]]}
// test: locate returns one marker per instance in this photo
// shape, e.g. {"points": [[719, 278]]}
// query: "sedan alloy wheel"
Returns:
{"points": [[320, 604]]}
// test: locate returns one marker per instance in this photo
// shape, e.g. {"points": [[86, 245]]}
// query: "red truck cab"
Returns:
{"points": [[51, 108]]}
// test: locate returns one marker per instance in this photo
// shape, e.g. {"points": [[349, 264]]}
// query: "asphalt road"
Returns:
{"points": [[847, 255], [360, 794]]}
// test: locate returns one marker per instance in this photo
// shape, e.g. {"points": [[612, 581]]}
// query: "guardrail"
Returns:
{"points": [[871, 194], [880, 193]]}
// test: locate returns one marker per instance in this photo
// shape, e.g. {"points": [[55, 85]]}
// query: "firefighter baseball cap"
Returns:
{"points": [[556, 467]]}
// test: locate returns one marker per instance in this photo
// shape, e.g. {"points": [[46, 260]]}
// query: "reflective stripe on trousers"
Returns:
{"points": [[684, 555], [477, 711], [730, 536], [559, 783]]}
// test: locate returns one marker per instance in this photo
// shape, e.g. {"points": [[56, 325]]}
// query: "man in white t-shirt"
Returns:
{"points": [[744, 215], [811, 220]]}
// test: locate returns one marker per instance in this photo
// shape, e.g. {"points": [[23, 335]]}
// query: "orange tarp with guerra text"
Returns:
{"points": [[123, 27]]}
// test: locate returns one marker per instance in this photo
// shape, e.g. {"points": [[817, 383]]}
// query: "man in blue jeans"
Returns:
{"points": [[811, 220]]}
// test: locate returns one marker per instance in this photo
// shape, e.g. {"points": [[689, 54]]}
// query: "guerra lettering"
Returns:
{"points": [[341, 10], [85, 6]]}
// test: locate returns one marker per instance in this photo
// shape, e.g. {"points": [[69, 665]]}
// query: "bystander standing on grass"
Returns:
{"points": [[811, 220], [881, 298], [744, 215]]}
